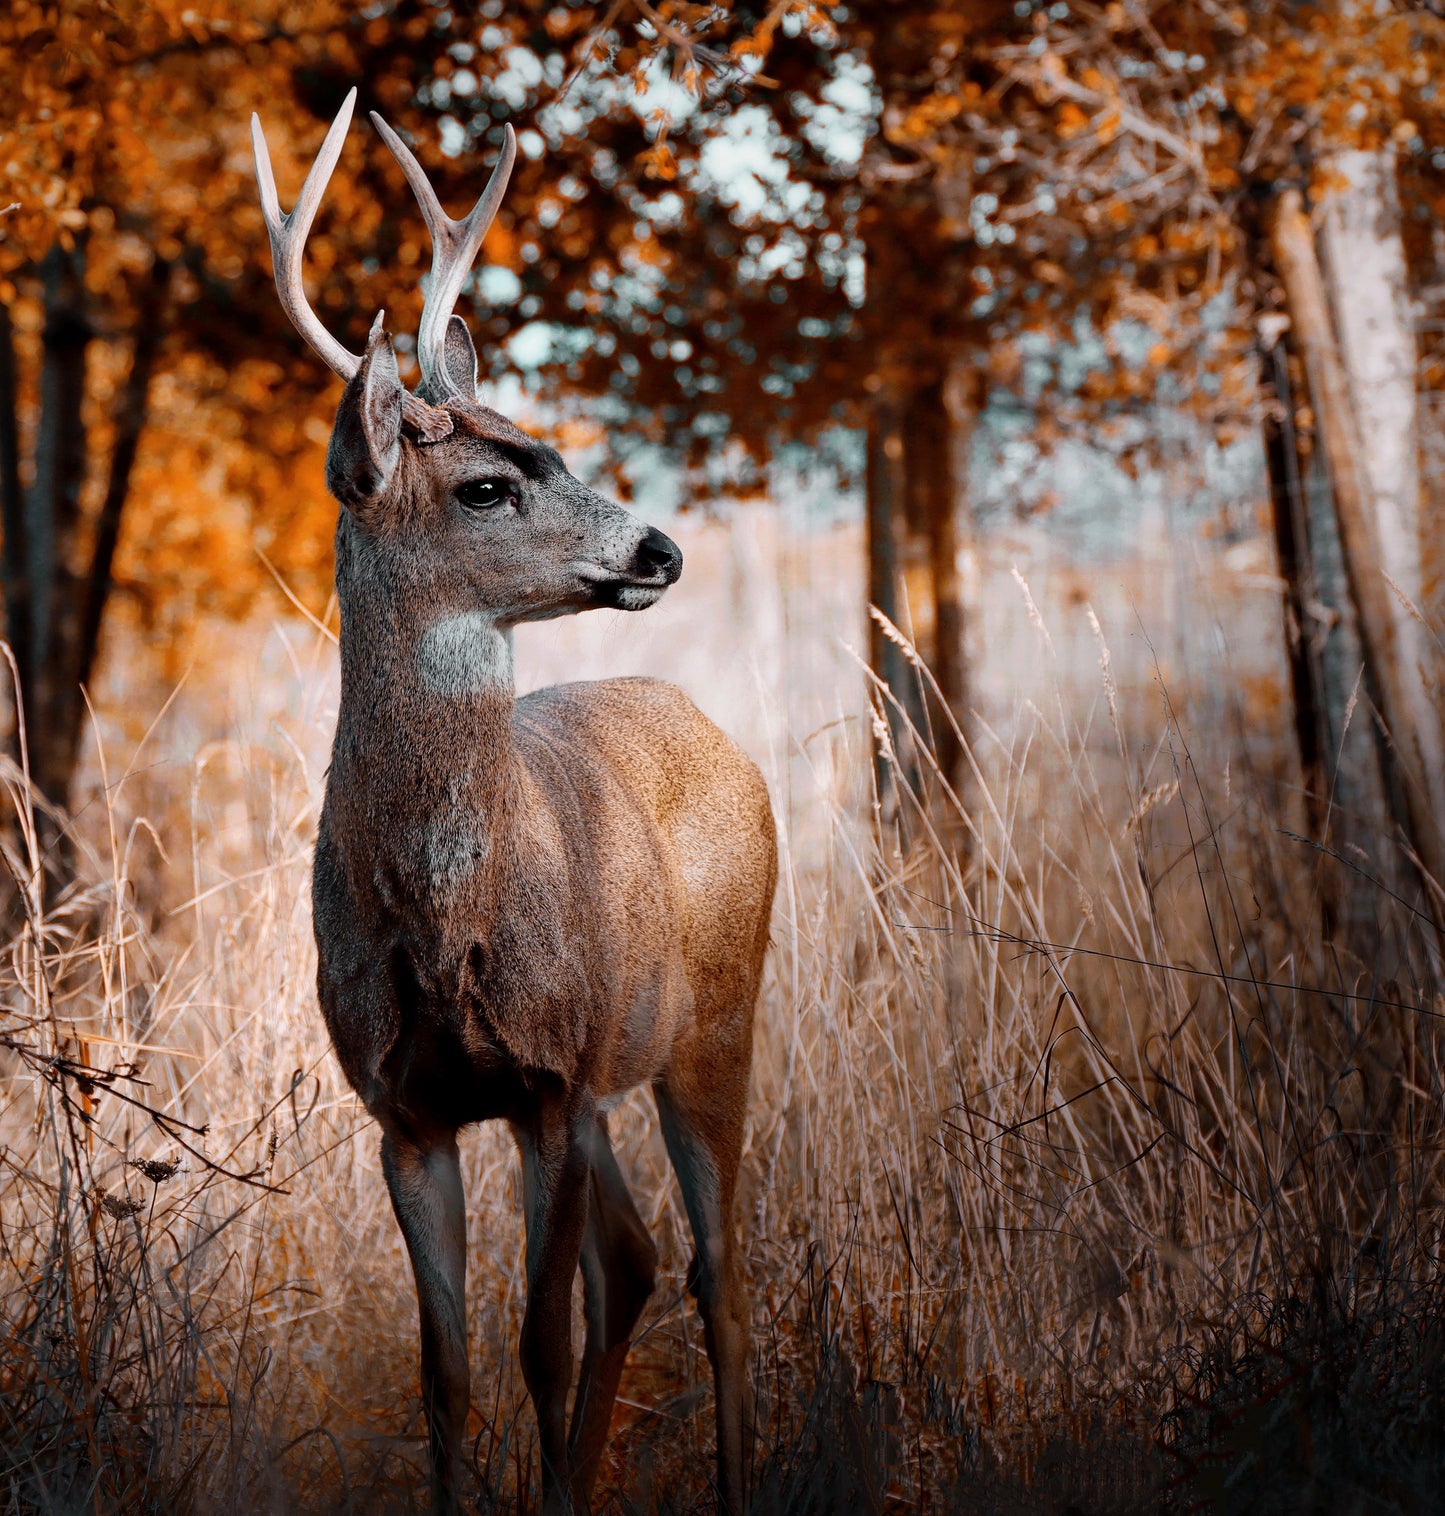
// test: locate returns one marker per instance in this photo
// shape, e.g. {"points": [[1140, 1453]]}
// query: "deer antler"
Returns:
{"points": [[288, 235], [455, 245]]}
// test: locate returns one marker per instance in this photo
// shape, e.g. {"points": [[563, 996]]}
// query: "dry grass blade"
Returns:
{"points": [[1072, 1171]]}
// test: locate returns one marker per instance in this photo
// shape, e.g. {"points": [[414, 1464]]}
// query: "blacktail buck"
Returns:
{"points": [[524, 908]]}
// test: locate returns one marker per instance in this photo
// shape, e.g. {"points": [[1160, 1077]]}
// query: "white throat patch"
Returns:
{"points": [[463, 655]]}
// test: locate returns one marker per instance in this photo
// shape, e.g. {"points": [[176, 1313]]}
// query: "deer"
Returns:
{"points": [[524, 907]]}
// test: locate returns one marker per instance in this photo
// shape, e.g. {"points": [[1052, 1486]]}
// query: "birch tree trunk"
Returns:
{"points": [[1364, 260], [1413, 730], [1374, 320], [1341, 763]]}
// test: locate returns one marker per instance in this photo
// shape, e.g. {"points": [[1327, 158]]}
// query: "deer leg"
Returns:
{"points": [[425, 1182], [702, 1126], [619, 1264], [555, 1172]]}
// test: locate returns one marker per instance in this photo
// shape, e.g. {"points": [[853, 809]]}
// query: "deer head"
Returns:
{"points": [[458, 508]]}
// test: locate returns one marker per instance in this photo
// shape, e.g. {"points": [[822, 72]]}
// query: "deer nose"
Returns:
{"points": [[658, 557]]}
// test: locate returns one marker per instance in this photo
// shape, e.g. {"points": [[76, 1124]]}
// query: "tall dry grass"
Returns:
{"points": [[1083, 1172]]}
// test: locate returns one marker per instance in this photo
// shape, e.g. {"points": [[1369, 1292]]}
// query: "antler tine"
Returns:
{"points": [[288, 234], [455, 245]]}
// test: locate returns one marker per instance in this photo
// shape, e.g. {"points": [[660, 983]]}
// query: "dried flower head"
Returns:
{"points": [[121, 1207], [157, 1170]]}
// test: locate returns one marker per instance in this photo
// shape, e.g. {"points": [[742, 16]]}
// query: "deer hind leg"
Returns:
{"points": [[424, 1178], [702, 1122], [556, 1165], [619, 1265]]}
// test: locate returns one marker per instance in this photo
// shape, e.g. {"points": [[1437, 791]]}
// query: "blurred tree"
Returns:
{"points": [[1029, 165], [732, 227], [1261, 101], [753, 269], [137, 350]]}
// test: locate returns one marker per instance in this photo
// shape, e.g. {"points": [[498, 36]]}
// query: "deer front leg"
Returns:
{"points": [[424, 1178], [555, 1174]]}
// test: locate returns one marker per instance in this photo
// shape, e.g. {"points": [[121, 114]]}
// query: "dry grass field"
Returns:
{"points": [[1083, 1174]]}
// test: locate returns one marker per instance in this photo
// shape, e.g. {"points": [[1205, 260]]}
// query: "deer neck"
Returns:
{"points": [[424, 726]]}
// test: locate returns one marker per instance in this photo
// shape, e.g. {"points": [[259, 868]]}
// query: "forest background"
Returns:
{"points": [[1078, 366]]}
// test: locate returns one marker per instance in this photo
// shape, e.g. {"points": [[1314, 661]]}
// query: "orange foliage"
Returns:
{"points": [[1116, 146], [126, 139]]}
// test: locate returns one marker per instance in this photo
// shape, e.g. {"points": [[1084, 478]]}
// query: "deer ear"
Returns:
{"points": [[366, 439], [459, 358]]}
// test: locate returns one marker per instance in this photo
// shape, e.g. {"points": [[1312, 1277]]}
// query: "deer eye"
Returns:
{"points": [[486, 494]]}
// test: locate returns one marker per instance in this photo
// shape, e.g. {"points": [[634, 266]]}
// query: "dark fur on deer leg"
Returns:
{"points": [[425, 1182]]}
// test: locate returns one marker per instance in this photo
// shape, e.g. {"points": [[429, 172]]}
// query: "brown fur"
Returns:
{"points": [[524, 908]]}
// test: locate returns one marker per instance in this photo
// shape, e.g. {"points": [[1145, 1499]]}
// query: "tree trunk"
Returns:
{"points": [[14, 548], [886, 485], [1375, 318], [962, 392], [1363, 793], [131, 410], [1292, 552], [55, 595], [1364, 260], [1341, 762], [55, 592], [53, 519], [1413, 733], [1430, 417], [929, 461]]}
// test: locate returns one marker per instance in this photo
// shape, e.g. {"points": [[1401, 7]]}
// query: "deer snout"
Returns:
{"points": [[658, 557]]}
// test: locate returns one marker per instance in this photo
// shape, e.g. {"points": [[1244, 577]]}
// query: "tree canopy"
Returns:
{"points": [[730, 227]]}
